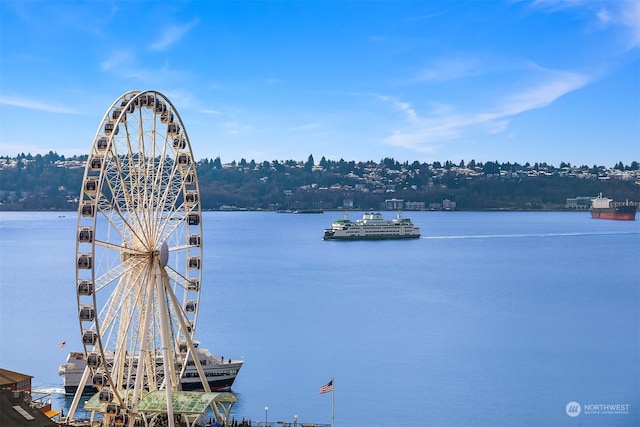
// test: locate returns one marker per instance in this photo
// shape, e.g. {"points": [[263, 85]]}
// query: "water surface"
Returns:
{"points": [[491, 318]]}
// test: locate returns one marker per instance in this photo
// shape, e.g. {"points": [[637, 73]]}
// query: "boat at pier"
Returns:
{"points": [[220, 372], [372, 226], [601, 209]]}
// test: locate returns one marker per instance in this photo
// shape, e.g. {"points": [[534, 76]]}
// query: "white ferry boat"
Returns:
{"points": [[220, 372], [372, 227]]}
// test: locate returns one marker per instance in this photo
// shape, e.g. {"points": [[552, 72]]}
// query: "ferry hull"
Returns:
{"points": [[622, 213], [357, 237]]}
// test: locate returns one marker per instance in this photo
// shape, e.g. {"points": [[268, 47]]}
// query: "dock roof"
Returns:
{"points": [[9, 377], [16, 411]]}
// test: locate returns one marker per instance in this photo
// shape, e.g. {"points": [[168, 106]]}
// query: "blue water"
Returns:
{"points": [[498, 318]]}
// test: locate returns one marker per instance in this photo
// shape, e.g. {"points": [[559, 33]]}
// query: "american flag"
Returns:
{"points": [[326, 388]]}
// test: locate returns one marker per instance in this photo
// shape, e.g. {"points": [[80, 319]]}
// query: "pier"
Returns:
{"points": [[250, 423], [212, 423]]}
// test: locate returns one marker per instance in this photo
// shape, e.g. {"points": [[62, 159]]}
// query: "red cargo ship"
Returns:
{"points": [[601, 208]]}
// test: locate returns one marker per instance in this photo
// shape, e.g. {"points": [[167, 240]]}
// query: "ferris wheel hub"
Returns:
{"points": [[164, 254]]}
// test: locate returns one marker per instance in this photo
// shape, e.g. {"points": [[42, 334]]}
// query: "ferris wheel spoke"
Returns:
{"points": [[177, 219], [158, 184], [172, 213], [171, 224], [130, 185], [125, 206], [181, 248], [116, 175], [119, 223], [119, 301], [118, 271], [119, 248], [181, 318], [187, 308], [157, 194], [177, 278], [172, 187]]}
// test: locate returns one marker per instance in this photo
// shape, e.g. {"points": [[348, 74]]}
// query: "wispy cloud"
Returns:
{"points": [[425, 17], [172, 34], [424, 133], [405, 107], [126, 64], [622, 14], [32, 104], [126, 68], [116, 59], [554, 85], [236, 128], [629, 17], [555, 5], [449, 69]]}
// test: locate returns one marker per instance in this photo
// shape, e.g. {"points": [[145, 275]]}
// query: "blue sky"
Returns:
{"points": [[518, 81]]}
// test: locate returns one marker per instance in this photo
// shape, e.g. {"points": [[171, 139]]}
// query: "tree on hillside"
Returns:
{"points": [[309, 165]]}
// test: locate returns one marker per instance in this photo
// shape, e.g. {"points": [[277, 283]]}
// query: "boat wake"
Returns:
{"points": [[518, 236], [48, 390]]}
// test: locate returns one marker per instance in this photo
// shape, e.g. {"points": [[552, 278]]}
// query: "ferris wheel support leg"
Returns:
{"points": [[196, 359], [78, 395], [164, 336], [143, 346]]}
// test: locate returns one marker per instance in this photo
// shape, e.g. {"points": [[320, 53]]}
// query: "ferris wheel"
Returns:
{"points": [[138, 254]]}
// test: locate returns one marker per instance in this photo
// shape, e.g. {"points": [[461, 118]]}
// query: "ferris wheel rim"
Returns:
{"points": [[131, 210]]}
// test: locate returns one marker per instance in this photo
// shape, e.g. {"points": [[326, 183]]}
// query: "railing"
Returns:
{"points": [[86, 423], [250, 423]]}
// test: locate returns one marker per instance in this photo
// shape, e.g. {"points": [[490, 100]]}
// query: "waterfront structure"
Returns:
{"points": [[14, 381], [18, 407], [220, 373]]}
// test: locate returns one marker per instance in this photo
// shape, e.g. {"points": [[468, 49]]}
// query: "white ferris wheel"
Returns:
{"points": [[138, 257]]}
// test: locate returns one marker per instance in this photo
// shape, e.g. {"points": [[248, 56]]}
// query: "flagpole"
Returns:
{"points": [[333, 400], [329, 387]]}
